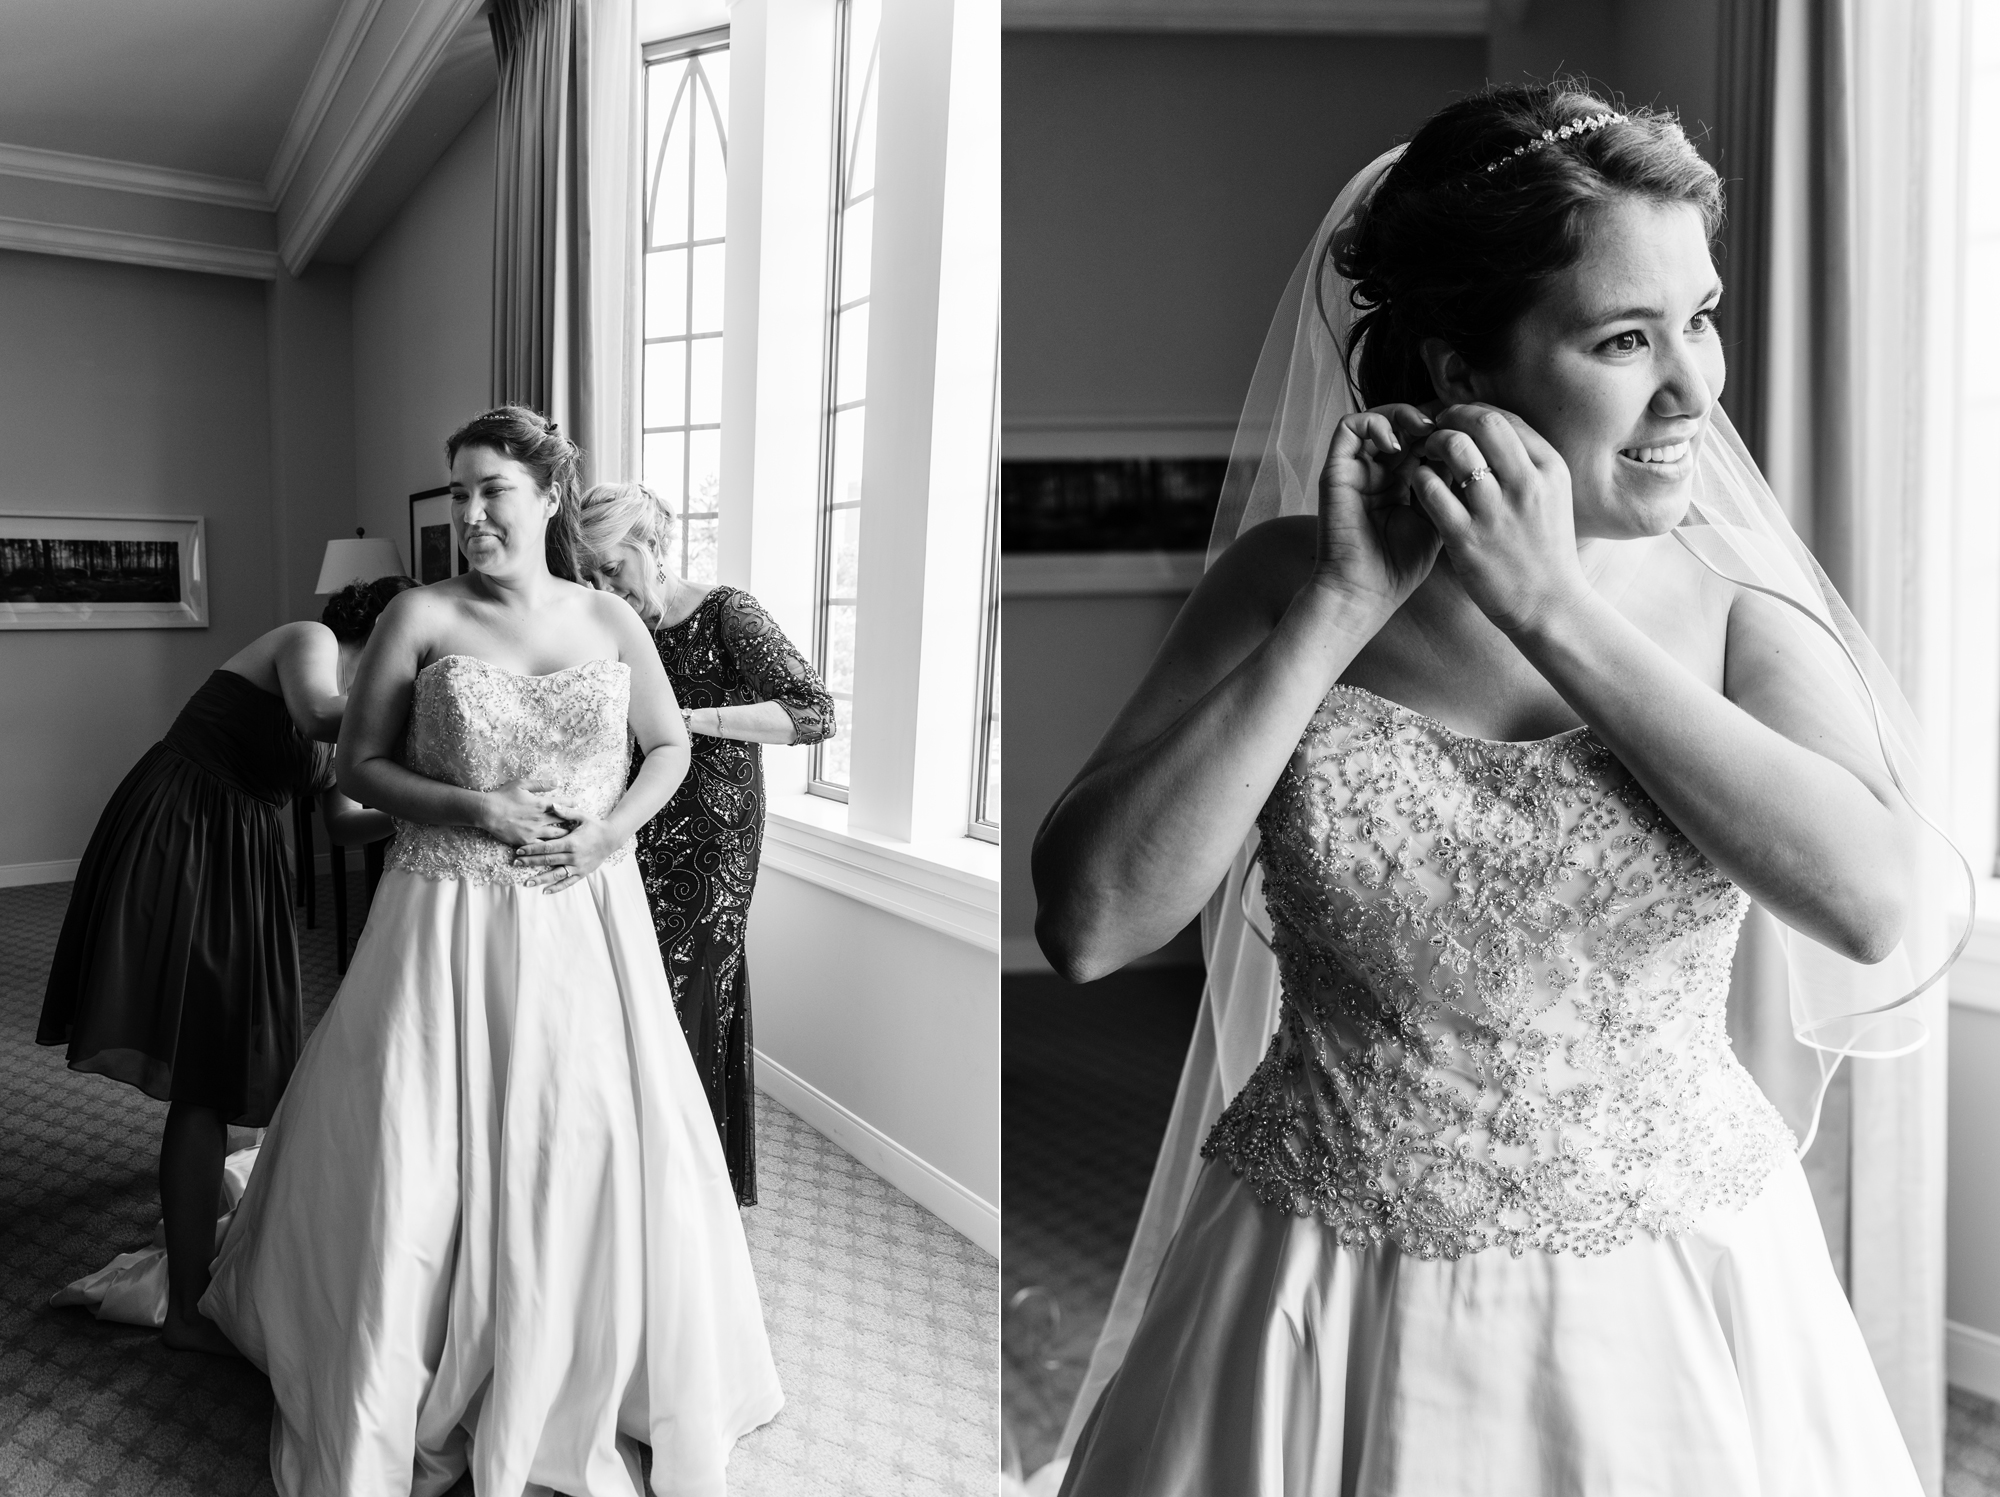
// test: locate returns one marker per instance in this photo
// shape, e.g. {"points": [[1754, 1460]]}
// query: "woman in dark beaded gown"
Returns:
{"points": [[740, 683], [177, 969]]}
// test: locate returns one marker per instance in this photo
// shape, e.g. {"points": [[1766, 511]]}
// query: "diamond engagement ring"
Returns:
{"points": [[1471, 478]]}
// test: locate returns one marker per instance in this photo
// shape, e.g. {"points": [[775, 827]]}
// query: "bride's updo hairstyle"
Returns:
{"points": [[531, 439], [1448, 248], [617, 514]]}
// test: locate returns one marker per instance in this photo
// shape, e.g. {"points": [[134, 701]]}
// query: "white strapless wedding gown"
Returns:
{"points": [[1499, 1214], [491, 1225]]}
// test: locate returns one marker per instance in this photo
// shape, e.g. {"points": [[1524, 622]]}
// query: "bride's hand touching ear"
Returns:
{"points": [[1375, 547]]}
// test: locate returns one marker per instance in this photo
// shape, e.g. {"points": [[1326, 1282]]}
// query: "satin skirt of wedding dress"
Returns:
{"points": [[491, 1226], [1273, 1362]]}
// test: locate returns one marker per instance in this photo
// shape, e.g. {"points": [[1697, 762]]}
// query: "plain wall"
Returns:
{"points": [[128, 390], [423, 333], [1972, 1205], [312, 427], [896, 1022], [1157, 191]]}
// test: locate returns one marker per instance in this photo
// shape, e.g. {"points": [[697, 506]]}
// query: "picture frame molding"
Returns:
{"points": [[190, 532], [426, 507]]}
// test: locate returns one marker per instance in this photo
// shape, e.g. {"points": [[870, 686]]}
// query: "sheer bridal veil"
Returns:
{"points": [[1734, 526]]}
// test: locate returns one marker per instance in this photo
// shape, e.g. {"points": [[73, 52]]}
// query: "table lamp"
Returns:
{"points": [[358, 560]]}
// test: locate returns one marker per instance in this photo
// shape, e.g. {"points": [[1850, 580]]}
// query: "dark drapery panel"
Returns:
{"points": [[1748, 88], [534, 203]]}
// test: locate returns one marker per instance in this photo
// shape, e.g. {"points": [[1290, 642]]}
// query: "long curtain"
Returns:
{"points": [[1843, 156], [566, 237]]}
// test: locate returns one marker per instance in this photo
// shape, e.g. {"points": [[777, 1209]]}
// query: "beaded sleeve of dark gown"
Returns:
{"points": [[698, 856]]}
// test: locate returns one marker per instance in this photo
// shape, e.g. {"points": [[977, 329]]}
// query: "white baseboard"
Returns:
{"points": [[918, 1179], [1972, 1359], [61, 871]]}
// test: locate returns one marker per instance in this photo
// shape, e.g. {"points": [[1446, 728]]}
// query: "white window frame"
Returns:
{"points": [[842, 170], [708, 39], [931, 360], [984, 825]]}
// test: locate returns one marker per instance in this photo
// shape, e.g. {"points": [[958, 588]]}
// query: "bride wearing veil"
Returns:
{"points": [[1506, 692]]}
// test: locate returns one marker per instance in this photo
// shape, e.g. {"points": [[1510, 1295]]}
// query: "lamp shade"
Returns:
{"points": [[360, 560]]}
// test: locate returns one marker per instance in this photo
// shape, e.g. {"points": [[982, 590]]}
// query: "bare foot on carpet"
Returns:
{"points": [[196, 1333]]}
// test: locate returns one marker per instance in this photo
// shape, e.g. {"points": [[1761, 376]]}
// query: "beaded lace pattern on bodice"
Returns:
{"points": [[478, 725], [1504, 981]]}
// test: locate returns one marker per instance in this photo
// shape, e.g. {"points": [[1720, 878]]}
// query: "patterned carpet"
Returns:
{"points": [[1088, 1080], [882, 1319]]}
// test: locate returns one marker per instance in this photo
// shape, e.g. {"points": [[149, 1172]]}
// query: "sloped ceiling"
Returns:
{"points": [[230, 136], [195, 85]]}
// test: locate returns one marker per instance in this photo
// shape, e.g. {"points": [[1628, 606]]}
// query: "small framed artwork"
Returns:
{"points": [[103, 572], [433, 540]]}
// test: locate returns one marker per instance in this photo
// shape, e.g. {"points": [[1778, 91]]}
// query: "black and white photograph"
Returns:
{"points": [[1501, 603], [499, 940], [95, 571]]}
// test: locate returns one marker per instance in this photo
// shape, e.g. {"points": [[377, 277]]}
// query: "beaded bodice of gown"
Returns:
{"points": [[1504, 977], [478, 725]]}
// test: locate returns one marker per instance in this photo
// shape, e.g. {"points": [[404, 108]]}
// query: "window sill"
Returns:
{"points": [[952, 885]]}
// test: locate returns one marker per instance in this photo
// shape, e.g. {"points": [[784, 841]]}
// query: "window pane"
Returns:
{"points": [[670, 193], [666, 384], [840, 648], [846, 485], [707, 290], [662, 471], [666, 293], [687, 150], [705, 383], [704, 471], [850, 379], [857, 246], [833, 754], [710, 180], [990, 798], [699, 550], [844, 570]]}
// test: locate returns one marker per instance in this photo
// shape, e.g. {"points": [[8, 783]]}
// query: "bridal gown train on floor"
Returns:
{"points": [[1499, 1214], [491, 1224]]}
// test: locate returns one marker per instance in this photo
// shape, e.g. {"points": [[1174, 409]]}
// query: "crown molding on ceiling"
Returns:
{"points": [[127, 247], [131, 176], [336, 56], [1326, 17], [323, 181]]}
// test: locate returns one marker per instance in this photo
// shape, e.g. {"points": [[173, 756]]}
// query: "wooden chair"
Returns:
{"points": [[371, 863]]}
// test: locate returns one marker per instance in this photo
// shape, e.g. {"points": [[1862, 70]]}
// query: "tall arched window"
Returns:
{"points": [[859, 56], [687, 177]]}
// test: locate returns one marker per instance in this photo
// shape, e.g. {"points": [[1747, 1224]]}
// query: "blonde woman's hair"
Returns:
{"points": [[616, 514]]}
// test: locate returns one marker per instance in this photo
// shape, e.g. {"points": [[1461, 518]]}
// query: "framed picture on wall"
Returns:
{"points": [[103, 572], [434, 552]]}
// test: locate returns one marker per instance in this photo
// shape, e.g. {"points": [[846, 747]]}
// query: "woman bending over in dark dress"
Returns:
{"points": [[740, 683], [177, 970]]}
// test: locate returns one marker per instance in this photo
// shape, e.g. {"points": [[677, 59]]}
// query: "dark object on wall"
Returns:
{"points": [[431, 551], [1117, 504]]}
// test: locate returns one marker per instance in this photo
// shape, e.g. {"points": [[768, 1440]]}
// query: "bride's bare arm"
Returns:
{"points": [[378, 713]]}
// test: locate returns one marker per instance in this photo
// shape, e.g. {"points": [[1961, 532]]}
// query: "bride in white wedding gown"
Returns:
{"points": [[491, 1226], [1498, 1214]]}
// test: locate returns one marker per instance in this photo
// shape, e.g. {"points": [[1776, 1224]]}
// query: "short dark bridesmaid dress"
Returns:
{"points": [[177, 970], [698, 857]]}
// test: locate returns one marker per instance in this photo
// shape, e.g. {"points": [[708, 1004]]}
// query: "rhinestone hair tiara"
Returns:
{"points": [[1574, 128]]}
